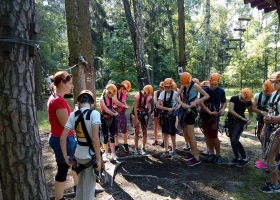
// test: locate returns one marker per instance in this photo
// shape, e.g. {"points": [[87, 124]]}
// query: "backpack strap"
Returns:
{"points": [[140, 99], [259, 104], [81, 119], [187, 92], [167, 103]]}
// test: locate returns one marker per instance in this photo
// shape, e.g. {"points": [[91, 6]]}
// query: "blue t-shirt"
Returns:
{"points": [[216, 97]]}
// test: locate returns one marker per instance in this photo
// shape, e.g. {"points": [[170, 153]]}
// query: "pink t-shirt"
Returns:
{"points": [[55, 103], [123, 100], [137, 96], [107, 103]]}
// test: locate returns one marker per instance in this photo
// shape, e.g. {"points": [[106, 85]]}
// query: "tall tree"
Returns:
{"points": [[207, 41], [74, 44], [21, 170], [181, 32], [86, 43]]}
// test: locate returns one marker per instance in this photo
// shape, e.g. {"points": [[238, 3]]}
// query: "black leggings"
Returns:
{"points": [[108, 129], [235, 130]]}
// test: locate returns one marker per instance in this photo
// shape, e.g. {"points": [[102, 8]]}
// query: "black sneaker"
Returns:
{"points": [[210, 158], [234, 161], [242, 163], [218, 160], [126, 149], [270, 188]]}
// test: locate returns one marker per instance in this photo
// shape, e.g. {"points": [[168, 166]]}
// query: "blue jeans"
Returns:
{"points": [[54, 143]]}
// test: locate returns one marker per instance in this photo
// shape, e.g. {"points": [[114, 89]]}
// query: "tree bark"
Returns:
{"points": [[207, 32], [130, 23], [181, 26], [74, 45], [21, 170], [140, 61], [86, 43]]}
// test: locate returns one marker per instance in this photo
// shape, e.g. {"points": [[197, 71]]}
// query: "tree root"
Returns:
{"points": [[114, 172], [189, 187], [141, 176]]}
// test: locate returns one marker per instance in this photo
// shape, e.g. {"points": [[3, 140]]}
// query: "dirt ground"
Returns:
{"points": [[151, 177]]}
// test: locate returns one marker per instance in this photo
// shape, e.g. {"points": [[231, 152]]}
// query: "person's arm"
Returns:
{"points": [[155, 97], [249, 108], [106, 109], [96, 144], [223, 107], [231, 111], [118, 103], [201, 91], [63, 146], [178, 99], [135, 107], [62, 116]]}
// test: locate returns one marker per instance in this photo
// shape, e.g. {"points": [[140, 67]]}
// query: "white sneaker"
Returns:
{"points": [[114, 156], [105, 157]]}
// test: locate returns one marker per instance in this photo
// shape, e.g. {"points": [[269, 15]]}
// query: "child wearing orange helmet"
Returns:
{"points": [[140, 116], [120, 106], [189, 103], [108, 120], [271, 154], [260, 106], [156, 112], [237, 122]]}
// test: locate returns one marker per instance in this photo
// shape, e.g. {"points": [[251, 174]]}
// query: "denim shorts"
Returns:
{"points": [[54, 143]]}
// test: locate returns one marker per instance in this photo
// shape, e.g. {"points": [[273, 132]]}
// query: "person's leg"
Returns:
{"points": [[272, 163], [60, 178], [173, 139], [192, 140], [59, 189], [156, 122], [235, 130]]}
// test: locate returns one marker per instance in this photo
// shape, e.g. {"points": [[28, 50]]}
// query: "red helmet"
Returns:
{"points": [[168, 82], [112, 88], [87, 92], [127, 85], [148, 89], [196, 80]]}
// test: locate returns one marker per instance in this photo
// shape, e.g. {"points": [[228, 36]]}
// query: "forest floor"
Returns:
{"points": [[151, 177]]}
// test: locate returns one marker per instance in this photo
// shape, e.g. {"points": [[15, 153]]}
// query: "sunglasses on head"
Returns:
{"points": [[67, 78]]}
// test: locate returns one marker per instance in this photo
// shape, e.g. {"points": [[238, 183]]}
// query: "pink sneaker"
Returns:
{"points": [[189, 157], [193, 162], [260, 165]]}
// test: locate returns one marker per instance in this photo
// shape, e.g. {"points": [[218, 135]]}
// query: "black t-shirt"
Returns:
{"points": [[239, 106]]}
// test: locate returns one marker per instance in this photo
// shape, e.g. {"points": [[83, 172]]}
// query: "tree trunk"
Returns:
{"points": [[21, 169], [74, 45], [207, 32], [130, 23], [140, 62], [86, 43], [181, 26]]}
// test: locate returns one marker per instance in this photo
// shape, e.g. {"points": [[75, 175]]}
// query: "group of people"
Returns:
{"points": [[173, 107]]}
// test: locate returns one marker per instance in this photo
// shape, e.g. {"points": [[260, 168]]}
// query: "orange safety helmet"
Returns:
{"points": [[204, 84], [111, 88], [148, 89], [127, 85], [275, 76], [161, 84], [174, 86], [196, 80], [168, 82], [87, 92], [246, 94], [267, 88], [185, 78], [214, 78]]}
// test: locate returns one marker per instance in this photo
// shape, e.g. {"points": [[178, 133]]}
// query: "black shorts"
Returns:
{"points": [[168, 125], [190, 117], [156, 112]]}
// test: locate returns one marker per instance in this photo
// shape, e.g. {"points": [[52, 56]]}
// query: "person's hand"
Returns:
{"points": [[213, 113], [116, 114], [69, 161], [125, 107], [222, 112], [192, 104], [185, 106], [248, 122], [135, 124], [98, 163], [169, 109]]}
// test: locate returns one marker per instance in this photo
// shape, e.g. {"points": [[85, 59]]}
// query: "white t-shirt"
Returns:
{"points": [[173, 100], [82, 152], [256, 96]]}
